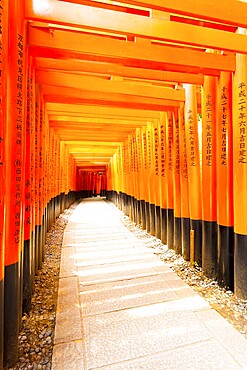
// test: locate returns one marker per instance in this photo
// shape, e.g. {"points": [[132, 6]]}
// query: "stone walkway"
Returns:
{"points": [[121, 308]]}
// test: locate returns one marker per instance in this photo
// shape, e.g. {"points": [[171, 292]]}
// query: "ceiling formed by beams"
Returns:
{"points": [[107, 67]]}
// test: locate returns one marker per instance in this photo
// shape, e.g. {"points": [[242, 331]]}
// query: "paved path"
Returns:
{"points": [[121, 308]]}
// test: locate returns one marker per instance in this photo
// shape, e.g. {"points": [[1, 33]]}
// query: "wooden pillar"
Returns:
{"points": [[169, 183], [157, 177], [27, 257], [194, 170], [151, 183], [145, 176], [240, 173], [225, 270], [15, 170], [142, 213], [185, 212], [176, 184], [209, 204], [163, 170], [3, 112]]}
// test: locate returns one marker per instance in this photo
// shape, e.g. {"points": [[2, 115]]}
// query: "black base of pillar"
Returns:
{"points": [[225, 272], [124, 203], [164, 226], [132, 208], [11, 314], [152, 219], [27, 277], [177, 236], [170, 228], [143, 215], [147, 217], [157, 222], [121, 201], [185, 232], [138, 212], [240, 266], [209, 248], [43, 236], [37, 248], [1, 321], [32, 246], [196, 225]]}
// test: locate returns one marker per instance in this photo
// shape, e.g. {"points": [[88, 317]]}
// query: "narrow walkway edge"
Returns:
{"points": [[121, 307]]}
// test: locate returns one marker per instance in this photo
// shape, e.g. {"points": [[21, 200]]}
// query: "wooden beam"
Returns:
{"points": [[112, 6], [89, 120], [92, 127], [230, 12], [110, 69], [78, 96], [71, 45], [107, 86], [106, 144], [105, 20], [101, 112]]}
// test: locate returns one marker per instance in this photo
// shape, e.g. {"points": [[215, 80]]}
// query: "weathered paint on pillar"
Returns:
{"points": [[240, 173], [209, 204], [194, 170]]}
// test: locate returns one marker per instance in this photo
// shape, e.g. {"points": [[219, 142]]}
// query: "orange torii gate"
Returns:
{"points": [[105, 99]]}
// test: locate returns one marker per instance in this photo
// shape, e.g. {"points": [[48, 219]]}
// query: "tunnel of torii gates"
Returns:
{"points": [[143, 101]]}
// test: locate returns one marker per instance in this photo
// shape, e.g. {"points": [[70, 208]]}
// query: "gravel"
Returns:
{"points": [[37, 333]]}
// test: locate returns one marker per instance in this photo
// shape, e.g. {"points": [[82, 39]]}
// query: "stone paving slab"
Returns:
{"points": [[120, 307]]}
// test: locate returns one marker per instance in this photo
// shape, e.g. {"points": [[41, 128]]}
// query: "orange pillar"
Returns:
{"points": [[145, 176], [225, 182], [240, 174], [209, 204], [176, 184], [151, 182], [32, 171], [169, 183], [194, 169], [3, 107], [103, 184], [157, 177], [185, 212], [141, 179], [16, 93], [37, 180], [163, 186], [27, 258]]}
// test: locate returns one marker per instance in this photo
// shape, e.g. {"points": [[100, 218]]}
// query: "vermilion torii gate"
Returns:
{"points": [[139, 100]]}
